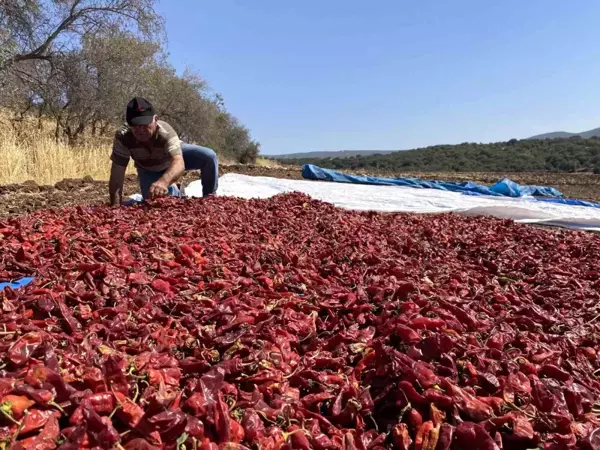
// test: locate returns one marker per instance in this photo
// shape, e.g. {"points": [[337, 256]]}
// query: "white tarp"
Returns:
{"points": [[407, 199]]}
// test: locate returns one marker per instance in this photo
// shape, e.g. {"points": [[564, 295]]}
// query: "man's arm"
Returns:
{"points": [[120, 159], [115, 184], [161, 187], [175, 171]]}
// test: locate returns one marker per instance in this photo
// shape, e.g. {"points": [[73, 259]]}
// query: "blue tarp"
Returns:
{"points": [[17, 283], [509, 188], [503, 188], [568, 201]]}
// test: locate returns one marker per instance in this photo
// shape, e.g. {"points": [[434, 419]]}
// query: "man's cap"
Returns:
{"points": [[139, 112]]}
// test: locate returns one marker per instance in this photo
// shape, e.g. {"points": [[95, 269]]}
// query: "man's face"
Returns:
{"points": [[143, 133]]}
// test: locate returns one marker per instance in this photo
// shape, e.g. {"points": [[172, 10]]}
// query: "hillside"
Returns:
{"points": [[565, 135], [338, 154], [559, 155], [354, 153]]}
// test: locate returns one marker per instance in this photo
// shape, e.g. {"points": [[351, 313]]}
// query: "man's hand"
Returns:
{"points": [[161, 187], [158, 189]]}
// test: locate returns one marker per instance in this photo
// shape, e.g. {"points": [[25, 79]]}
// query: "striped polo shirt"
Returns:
{"points": [[154, 155]]}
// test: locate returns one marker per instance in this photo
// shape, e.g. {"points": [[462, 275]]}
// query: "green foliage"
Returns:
{"points": [[114, 54], [554, 155]]}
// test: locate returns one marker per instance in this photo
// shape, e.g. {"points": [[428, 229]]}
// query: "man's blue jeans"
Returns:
{"points": [[195, 158]]}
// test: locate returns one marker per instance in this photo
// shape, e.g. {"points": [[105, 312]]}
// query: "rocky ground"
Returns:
{"points": [[16, 199]]}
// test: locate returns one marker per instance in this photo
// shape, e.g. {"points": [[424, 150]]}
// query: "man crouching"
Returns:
{"points": [[160, 157]]}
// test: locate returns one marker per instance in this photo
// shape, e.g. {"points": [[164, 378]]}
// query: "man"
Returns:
{"points": [[160, 157]]}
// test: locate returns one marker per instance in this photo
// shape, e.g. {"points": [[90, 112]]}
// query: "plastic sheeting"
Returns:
{"points": [[16, 284], [407, 199], [505, 187], [569, 201], [509, 188]]}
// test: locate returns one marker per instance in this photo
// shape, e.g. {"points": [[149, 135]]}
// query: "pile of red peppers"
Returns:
{"points": [[228, 324]]}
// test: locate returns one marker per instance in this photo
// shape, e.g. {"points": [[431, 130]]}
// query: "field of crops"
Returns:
{"points": [[290, 324]]}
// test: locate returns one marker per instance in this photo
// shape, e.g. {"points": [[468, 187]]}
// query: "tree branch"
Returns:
{"points": [[41, 52]]}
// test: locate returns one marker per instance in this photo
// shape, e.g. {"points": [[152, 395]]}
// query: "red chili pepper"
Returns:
{"points": [[400, 437], [415, 420], [40, 396], [292, 319], [543, 398], [20, 352], [436, 415], [161, 286], [314, 399], [474, 436], [15, 405], [36, 419], [236, 432], [438, 399], [232, 446], [427, 436], [254, 428], [331, 379], [101, 432], [364, 362], [71, 324], [467, 403], [496, 403], [46, 439], [445, 437], [140, 444], [101, 403], [170, 424], [464, 317], [196, 404], [551, 371], [128, 412], [222, 420], [424, 375], [426, 323], [408, 335], [207, 444], [526, 367], [408, 391], [541, 356], [77, 438], [6, 385], [195, 428], [589, 353]]}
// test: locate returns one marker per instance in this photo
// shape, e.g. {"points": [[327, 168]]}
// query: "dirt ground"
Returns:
{"points": [[22, 198]]}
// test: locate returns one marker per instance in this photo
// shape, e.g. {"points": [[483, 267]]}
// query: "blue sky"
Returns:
{"points": [[393, 74]]}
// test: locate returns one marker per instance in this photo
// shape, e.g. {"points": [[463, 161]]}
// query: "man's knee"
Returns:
{"points": [[212, 156]]}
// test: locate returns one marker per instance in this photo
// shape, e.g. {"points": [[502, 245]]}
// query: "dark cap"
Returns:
{"points": [[139, 112]]}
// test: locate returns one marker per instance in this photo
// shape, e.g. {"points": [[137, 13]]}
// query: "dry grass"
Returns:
{"points": [[268, 163], [47, 162], [30, 153]]}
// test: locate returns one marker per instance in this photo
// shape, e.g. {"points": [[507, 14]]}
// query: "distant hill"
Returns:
{"points": [[338, 154], [526, 155], [354, 153], [565, 135]]}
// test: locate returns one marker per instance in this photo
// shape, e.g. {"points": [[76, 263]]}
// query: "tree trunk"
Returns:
{"points": [[57, 130], [74, 133]]}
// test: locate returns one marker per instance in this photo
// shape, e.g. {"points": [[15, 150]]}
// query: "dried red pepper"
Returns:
{"points": [[15, 405], [20, 352], [301, 326]]}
